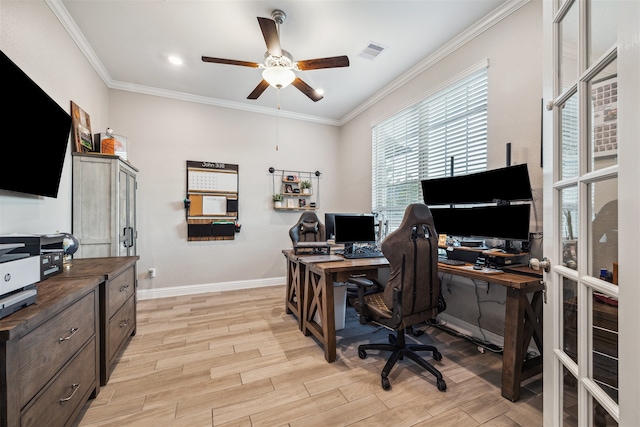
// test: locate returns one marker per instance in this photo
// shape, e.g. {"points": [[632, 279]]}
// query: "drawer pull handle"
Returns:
{"points": [[359, 275], [124, 288], [75, 387], [125, 323], [72, 332]]}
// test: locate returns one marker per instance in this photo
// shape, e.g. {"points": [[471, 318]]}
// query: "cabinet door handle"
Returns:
{"points": [[72, 332], [124, 288], [125, 323], [74, 387]]}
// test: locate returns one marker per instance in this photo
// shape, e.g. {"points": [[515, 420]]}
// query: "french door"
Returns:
{"points": [[591, 212]]}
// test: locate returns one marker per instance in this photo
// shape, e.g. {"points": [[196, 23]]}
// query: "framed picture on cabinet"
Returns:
{"points": [[81, 129]]}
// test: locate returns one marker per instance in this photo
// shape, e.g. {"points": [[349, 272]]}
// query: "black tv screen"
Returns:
{"points": [[509, 222], [35, 134], [505, 184]]}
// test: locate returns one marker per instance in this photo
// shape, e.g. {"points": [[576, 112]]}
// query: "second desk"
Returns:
{"points": [[310, 291]]}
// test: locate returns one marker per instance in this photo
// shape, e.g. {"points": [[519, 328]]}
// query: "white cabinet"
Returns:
{"points": [[104, 206]]}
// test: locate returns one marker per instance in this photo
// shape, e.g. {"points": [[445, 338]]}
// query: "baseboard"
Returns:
{"points": [[174, 291], [470, 330]]}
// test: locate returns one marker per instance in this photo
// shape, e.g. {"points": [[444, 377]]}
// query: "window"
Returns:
{"points": [[447, 129]]}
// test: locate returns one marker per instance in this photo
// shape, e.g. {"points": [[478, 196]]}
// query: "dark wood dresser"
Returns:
{"points": [[55, 354]]}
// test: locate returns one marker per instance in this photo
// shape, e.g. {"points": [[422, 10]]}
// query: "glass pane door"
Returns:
{"points": [[583, 235]]}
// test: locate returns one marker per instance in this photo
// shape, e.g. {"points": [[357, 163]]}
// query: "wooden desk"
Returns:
{"points": [[308, 292], [522, 322]]}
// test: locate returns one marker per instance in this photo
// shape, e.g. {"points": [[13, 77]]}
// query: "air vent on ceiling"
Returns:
{"points": [[372, 50]]}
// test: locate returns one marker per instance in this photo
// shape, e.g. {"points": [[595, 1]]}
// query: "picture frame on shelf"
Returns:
{"points": [[288, 188], [302, 203], [291, 203]]}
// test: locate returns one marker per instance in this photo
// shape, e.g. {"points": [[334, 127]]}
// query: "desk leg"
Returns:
{"points": [[513, 355], [522, 321], [319, 298], [295, 299]]}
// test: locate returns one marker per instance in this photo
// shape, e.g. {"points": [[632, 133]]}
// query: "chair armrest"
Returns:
{"points": [[360, 281]]}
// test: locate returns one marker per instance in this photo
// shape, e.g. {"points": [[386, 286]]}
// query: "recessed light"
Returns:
{"points": [[175, 60]]}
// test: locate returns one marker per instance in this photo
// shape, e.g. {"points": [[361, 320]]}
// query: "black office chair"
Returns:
{"points": [[412, 294], [308, 234]]}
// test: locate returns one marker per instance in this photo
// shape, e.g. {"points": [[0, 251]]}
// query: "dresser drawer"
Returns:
{"points": [[62, 399], [119, 289], [49, 346], [120, 327]]}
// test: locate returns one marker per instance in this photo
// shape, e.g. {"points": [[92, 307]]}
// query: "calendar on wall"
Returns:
{"points": [[212, 200]]}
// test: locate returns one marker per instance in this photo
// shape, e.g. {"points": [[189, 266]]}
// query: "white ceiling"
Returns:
{"points": [[129, 41]]}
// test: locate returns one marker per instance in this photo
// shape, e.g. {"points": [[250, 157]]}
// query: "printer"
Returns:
{"points": [[24, 261]]}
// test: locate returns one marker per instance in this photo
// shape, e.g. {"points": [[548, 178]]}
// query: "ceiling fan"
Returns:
{"points": [[279, 65]]}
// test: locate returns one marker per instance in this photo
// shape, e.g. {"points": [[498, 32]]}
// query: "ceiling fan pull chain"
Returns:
{"points": [[277, 117]]}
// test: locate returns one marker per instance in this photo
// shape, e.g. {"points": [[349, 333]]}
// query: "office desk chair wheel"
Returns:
{"points": [[386, 385], [442, 386]]}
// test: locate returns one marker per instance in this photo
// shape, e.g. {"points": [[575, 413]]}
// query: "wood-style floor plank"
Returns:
{"points": [[236, 359]]}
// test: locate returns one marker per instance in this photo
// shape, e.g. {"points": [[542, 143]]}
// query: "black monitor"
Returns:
{"points": [[509, 222], [330, 223], [498, 185], [352, 229]]}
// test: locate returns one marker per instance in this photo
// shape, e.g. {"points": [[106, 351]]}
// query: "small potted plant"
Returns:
{"points": [[277, 200], [305, 186]]}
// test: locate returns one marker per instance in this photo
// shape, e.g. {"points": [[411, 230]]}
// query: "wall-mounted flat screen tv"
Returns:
{"points": [[505, 184], [35, 134]]}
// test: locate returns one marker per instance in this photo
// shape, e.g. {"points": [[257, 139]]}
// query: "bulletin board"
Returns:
{"points": [[212, 200]]}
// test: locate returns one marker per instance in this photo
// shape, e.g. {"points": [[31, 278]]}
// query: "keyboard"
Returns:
{"points": [[357, 255], [445, 260]]}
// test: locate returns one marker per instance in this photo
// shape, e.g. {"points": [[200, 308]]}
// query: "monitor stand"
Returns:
{"points": [[509, 248], [349, 248]]}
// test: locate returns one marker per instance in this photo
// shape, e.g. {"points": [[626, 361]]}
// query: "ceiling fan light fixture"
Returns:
{"points": [[278, 77]]}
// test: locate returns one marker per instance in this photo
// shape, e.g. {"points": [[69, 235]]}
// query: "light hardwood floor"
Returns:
{"points": [[237, 359]]}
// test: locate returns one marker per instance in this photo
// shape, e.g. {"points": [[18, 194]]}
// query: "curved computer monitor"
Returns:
{"points": [[497, 185], [507, 223], [353, 229]]}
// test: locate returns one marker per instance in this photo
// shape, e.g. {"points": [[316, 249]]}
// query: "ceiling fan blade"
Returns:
{"points": [[306, 89], [332, 62], [271, 37], [262, 86], [230, 62]]}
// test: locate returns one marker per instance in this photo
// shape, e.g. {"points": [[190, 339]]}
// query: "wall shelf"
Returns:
{"points": [[290, 183]]}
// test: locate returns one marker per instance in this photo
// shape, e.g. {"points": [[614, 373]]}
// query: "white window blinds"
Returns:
{"points": [[424, 141]]}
